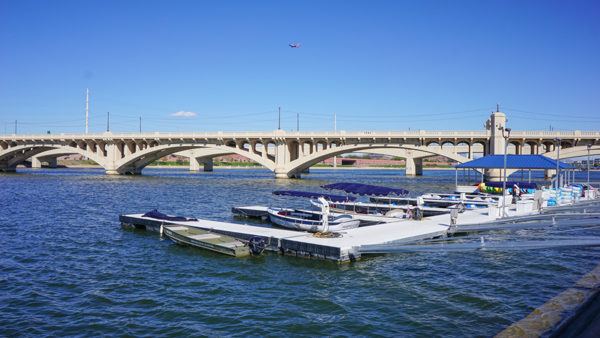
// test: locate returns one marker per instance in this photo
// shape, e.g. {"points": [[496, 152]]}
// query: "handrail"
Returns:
{"points": [[315, 134]]}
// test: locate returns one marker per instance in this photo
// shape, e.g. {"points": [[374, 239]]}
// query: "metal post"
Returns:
{"points": [[279, 123], [334, 122], [297, 121], [589, 146], [456, 178], [107, 121], [572, 176], [140, 124], [506, 137], [557, 140], [15, 127]]}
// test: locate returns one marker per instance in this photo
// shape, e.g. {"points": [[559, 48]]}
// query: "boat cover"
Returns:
{"points": [[509, 184], [365, 189], [310, 194], [159, 215]]}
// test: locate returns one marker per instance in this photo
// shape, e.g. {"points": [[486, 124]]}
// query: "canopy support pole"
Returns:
{"points": [[456, 177]]}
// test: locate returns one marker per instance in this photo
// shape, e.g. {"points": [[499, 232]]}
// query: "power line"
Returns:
{"points": [[549, 114]]}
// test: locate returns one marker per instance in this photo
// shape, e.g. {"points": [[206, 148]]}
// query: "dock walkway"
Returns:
{"points": [[352, 243], [341, 249]]}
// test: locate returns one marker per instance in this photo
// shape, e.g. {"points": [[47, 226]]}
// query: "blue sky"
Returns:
{"points": [[379, 65]]}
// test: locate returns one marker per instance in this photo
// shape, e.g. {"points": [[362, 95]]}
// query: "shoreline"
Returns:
{"points": [[91, 166]]}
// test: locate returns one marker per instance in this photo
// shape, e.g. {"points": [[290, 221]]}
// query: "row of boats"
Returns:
{"points": [[332, 213]]}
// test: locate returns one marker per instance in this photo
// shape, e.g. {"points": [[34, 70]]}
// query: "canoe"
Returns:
{"points": [[207, 240]]}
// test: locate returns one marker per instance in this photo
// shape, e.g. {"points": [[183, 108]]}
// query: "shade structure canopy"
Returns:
{"points": [[513, 162], [365, 189], [309, 194]]}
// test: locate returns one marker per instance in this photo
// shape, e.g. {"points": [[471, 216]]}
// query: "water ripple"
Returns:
{"points": [[68, 269]]}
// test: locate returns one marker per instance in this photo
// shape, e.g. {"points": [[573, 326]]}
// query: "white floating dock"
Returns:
{"points": [[353, 242], [288, 242]]}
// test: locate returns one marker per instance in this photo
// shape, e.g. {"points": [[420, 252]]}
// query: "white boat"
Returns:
{"points": [[381, 209], [469, 201], [312, 221]]}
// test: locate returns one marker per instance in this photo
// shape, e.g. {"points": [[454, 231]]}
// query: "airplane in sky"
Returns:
{"points": [[294, 45]]}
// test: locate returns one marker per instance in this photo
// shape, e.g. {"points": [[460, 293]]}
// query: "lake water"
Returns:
{"points": [[68, 268]]}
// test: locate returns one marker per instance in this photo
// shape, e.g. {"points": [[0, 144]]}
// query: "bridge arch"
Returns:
{"points": [[10, 158], [294, 167], [134, 163], [573, 152]]}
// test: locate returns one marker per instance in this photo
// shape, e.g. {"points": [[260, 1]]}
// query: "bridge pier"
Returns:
{"points": [[414, 166], [36, 163], [207, 164], [494, 175], [282, 174], [125, 171], [52, 162]]}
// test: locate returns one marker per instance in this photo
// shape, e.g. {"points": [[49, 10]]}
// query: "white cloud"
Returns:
{"points": [[184, 114]]}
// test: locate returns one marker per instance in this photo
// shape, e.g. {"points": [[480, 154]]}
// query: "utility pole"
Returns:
{"points": [[15, 127], [334, 122], [107, 121], [87, 109], [279, 123], [140, 124], [297, 121]]}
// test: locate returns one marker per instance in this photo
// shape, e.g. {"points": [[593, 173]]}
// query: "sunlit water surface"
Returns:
{"points": [[68, 268]]}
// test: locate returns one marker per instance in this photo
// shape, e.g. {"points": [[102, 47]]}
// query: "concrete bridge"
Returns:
{"points": [[288, 154]]}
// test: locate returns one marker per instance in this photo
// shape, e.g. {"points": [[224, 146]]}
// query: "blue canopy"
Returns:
{"points": [[514, 162], [365, 189], [308, 194]]}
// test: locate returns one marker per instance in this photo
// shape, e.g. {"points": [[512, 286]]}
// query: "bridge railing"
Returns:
{"points": [[253, 134], [552, 134], [315, 134]]}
